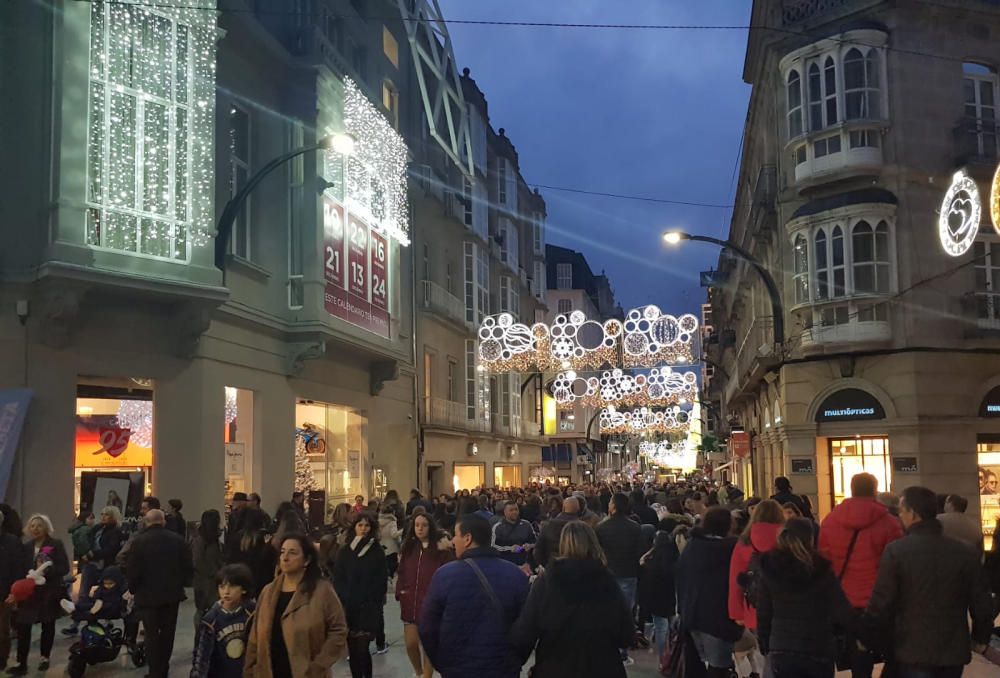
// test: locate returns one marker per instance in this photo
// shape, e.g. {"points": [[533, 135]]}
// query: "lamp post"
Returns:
{"points": [[342, 143], [777, 309]]}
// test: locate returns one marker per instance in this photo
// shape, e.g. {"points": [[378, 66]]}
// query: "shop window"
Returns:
{"points": [[239, 440], [988, 448], [468, 476], [331, 454], [507, 475], [850, 456]]}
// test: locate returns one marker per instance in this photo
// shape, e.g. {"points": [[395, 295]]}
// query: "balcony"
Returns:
{"points": [[847, 334], [449, 414], [976, 146], [987, 309], [753, 356], [445, 305]]}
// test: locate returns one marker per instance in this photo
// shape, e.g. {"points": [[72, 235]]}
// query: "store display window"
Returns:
{"points": [[331, 454], [988, 449], [850, 456], [468, 476]]}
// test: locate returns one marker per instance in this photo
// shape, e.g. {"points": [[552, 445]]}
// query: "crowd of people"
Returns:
{"points": [[576, 577]]}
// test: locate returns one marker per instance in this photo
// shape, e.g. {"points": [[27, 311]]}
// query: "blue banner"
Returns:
{"points": [[13, 407]]}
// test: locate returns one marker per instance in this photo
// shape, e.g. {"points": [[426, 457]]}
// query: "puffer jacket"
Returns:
{"points": [[389, 533], [461, 630], [416, 570], [763, 538], [577, 617], [876, 530], [799, 608]]}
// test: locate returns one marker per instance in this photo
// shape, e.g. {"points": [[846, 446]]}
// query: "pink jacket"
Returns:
{"points": [[763, 538]]}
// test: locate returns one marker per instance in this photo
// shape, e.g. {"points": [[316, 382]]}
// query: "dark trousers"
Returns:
{"points": [[360, 657], [24, 640], [904, 671], [785, 665], [160, 624], [392, 564], [380, 633], [4, 634]]}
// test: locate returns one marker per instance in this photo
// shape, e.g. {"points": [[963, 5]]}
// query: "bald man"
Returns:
{"points": [[159, 566]]}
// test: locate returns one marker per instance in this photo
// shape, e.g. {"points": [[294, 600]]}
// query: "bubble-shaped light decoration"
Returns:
{"points": [[660, 387], [644, 420], [652, 338]]}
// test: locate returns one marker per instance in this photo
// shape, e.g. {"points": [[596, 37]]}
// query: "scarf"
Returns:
{"points": [[362, 543]]}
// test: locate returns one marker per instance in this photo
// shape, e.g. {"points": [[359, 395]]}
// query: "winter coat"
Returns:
{"points": [[106, 543], [646, 515], [260, 557], [623, 545], [313, 625], [547, 545], [462, 631], [657, 593], [82, 535], [507, 535], [763, 538], [220, 644], [578, 618], [159, 567], [788, 497], [112, 599], [927, 588], [798, 609], [360, 578], [176, 523], [208, 560], [877, 528], [389, 533], [702, 581], [11, 562], [963, 528], [43, 605], [413, 579]]}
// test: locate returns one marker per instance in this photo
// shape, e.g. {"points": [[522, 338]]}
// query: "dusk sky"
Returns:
{"points": [[656, 113]]}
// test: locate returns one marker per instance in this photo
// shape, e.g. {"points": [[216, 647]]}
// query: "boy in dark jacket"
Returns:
{"points": [[104, 600], [221, 644]]}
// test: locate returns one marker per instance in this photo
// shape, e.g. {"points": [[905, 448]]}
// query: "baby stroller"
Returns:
{"points": [[101, 642]]}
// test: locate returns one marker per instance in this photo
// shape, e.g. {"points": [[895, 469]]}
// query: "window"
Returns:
{"points": [[452, 379], [334, 31], [871, 258], [538, 234], [510, 299], [239, 174], [980, 88], [477, 283], [428, 373], [801, 277], [471, 380], [390, 100], [146, 183], [515, 403], [794, 96], [502, 180], [564, 276], [359, 61], [865, 138], [987, 282], [427, 261], [504, 294], [565, 306], [837, 257], [538, 281], [822, 266], [861, 85], [826, 146], [467, 200], [830, 90], [390, 47], [510, 248]]}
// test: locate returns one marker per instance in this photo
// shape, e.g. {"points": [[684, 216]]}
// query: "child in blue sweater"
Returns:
{"points": [[221, 643]]}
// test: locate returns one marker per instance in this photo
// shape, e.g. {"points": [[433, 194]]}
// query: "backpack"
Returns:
{"points": [[749, 580]]}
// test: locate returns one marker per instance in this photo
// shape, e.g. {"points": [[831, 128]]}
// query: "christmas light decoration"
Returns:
{"points": [[137, 416], [961, 209], [151, 127], [661, 387], [644, 420], [995, 200], [374, 173], [652, 338], [232, 410], [665, 454]]}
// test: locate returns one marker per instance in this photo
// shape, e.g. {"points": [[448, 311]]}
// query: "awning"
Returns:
{"points": [[722, 466], [13, 407]]}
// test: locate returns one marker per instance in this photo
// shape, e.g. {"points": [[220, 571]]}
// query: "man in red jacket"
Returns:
{"points": [[852, 538]]}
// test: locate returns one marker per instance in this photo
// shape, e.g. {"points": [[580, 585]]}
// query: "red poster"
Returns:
{"points": [[357, 259], [344, 305], [739, 444], [380, 270], [333, 242]]}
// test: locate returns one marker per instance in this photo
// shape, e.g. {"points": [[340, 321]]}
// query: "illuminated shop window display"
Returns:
{"points": [[331, 452]]}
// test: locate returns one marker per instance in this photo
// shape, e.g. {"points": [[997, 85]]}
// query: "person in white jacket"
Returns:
{"points": [[390, 534]]}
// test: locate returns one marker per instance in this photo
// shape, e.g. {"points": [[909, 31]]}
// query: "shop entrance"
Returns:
{"points": [[861, 454], [988, 448], [435, 480], [331, 453]]}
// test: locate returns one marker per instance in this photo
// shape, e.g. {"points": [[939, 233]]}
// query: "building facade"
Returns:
{"points": [[860, 115], [150, 369]]}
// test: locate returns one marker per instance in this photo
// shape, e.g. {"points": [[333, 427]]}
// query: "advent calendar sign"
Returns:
{"points": [[356, 269]]}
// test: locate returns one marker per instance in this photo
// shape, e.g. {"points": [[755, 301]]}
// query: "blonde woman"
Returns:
{"points": [[43, 605], [576, 619]]}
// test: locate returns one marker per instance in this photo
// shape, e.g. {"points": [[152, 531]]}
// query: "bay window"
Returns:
{"points": [[861, 84], [794, 94], [477, 283], [986, 255], [871, 258], [801, 258]]}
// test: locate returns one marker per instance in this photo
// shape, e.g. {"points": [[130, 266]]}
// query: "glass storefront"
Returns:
{"points": [[331, 453], [468, 476], [988, 448], [506, 475], [862, 454], [239, 441]]}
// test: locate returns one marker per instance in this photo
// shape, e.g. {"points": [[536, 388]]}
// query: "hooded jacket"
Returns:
{"points": [[876, 530], [702, 582], [798, 608], [575, 619], [763, 538], [416, 570]]}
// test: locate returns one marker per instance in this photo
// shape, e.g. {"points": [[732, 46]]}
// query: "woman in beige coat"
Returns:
{"points": [[299, 629]]}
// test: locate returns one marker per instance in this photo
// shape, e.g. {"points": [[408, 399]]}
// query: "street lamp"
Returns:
{"points": [[343, 143], [777, 309]]}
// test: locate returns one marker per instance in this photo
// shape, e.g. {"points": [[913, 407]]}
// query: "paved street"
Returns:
{"points": [[391, 665]]}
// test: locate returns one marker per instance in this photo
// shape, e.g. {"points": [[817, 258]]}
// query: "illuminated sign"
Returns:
{"points": [[990, 407], [958, 222], [850, 404]]}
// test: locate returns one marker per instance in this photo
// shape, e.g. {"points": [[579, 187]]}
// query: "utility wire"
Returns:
{"points": [[623, 196]]}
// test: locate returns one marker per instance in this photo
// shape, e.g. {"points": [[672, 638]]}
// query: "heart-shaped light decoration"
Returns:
{"points": [[958, 221]]}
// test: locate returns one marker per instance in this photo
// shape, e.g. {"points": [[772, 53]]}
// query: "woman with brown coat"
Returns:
{"points": [[299, 629]]}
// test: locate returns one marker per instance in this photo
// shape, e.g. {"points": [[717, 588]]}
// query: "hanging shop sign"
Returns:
{"points": [[850, 404], [990, 407], [958, 222], [905, 465], [803, 467], [739, 444], [356, 269]]}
